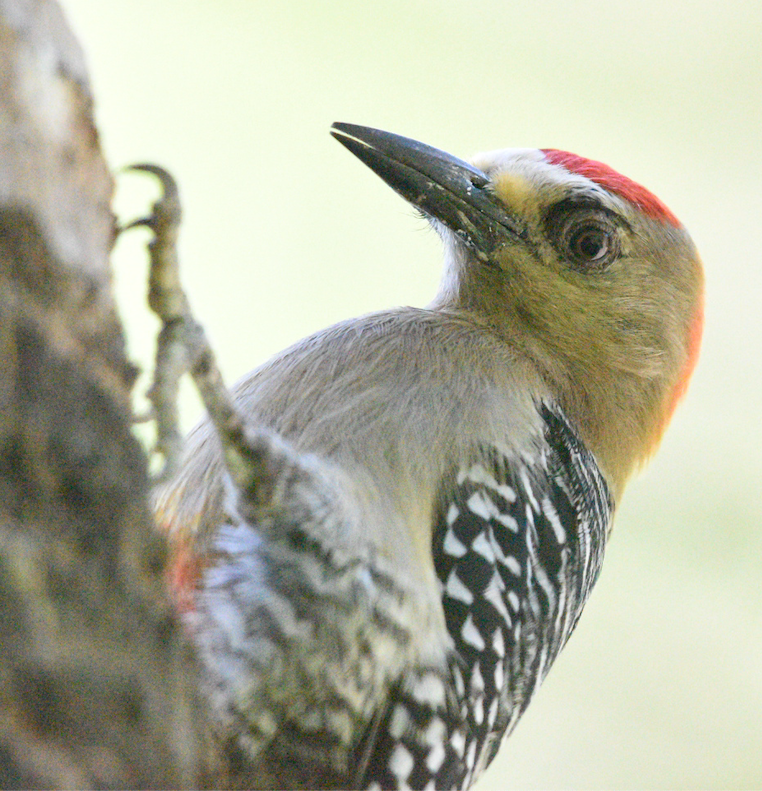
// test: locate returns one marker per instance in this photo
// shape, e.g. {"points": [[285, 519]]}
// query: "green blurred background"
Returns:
{"points": [[286, 232]]}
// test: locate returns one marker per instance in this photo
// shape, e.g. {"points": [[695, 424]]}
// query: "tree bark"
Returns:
{"points": [[96, 689]]}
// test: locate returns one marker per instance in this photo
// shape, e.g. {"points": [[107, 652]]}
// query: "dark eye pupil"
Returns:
{"points": [[587, 238], [590, 243]]}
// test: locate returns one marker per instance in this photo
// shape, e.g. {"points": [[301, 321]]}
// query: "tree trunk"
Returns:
{"points": [[95, 686]]}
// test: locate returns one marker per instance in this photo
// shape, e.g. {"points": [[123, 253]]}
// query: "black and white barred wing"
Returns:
{"points": [[287, 615], [517, 548]]}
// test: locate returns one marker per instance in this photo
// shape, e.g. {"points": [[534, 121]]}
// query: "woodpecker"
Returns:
{"points": [[376, 598]]}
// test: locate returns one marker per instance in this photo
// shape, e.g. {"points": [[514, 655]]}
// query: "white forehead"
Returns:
{"points": [[529, 165], [508, 159]]}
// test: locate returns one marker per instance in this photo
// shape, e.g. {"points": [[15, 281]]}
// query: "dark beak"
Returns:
{"points": [[441, 186]]}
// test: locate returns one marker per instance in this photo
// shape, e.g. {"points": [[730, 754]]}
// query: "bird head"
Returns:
{"points": [[583, 272]]}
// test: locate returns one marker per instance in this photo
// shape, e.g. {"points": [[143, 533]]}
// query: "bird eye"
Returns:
{"points": [[588, 238], [589, 243]]}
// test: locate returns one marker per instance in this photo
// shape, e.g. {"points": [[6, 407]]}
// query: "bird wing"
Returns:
{"points": [[518, 544]]}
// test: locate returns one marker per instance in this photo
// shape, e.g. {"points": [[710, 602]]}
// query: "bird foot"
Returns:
{"points": [[182, 345]]}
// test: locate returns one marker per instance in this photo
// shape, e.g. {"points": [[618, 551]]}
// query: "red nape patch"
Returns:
{"points": [[614, 182], [695, 332]]}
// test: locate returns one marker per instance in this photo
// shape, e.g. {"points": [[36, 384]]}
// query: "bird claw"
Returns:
{"points": [[142, 222], [167, 180], [166, 212], [182, 345], [167, 299]]}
